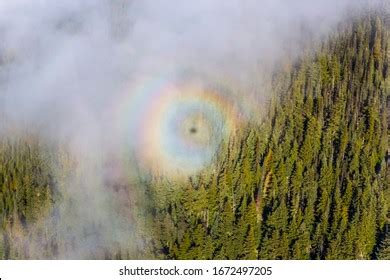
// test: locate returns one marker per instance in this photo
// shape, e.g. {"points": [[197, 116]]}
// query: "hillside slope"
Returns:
{"points": [[309, 181]]}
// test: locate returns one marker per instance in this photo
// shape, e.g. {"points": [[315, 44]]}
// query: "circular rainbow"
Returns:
{"points": [[175, 128]]}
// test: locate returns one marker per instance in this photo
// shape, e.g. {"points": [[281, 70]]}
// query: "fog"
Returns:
{"points": [[68, 67]]}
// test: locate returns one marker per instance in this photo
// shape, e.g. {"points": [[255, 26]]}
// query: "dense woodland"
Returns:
{"points": [[307, 181]]}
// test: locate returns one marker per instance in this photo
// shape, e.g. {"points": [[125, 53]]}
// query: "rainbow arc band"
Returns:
{"points": [[176, 128]]}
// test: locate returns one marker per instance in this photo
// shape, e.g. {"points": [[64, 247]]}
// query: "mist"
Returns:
{"points": [[67, 67]]}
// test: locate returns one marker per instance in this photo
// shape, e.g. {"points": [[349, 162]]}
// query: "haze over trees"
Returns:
{"points": [[308, 182]]}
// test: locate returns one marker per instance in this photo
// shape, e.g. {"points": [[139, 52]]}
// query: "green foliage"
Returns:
{"points": [[384, 248], [316, 188], [26, 193], [308, 182]]}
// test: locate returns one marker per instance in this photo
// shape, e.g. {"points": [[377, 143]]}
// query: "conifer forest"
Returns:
{"points": [[306, 177]]}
